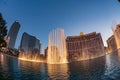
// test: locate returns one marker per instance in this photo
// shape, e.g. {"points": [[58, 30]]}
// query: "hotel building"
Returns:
{"points": [[12, 35], [111, 44], [29, 44], [116, 32], [85, 46]]}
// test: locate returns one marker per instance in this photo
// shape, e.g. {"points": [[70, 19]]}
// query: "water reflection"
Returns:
{"points": [[87, 70], [112, 66], [32, 70], [103, 68], [58, 71], [8, 68]]}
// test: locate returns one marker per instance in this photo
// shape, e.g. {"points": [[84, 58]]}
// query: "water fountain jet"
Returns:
{"points": [[57, 52]]}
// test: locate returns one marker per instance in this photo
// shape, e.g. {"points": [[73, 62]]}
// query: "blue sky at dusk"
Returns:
{"points": [[39, 17]]}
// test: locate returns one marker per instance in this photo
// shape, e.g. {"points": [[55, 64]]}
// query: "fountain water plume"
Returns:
{"points": [[57, 52], [31, 57]]}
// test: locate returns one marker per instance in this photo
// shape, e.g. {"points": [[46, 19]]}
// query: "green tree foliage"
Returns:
{"points": [[3, 32]]}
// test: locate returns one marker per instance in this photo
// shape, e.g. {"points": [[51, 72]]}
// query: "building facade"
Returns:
{"points": [[85, 46], [116, 32], [29, 44], [12, 35], [111, 44], [46, 52]]}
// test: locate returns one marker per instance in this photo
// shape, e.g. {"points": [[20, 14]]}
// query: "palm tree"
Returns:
{"points": [[3, 32]]}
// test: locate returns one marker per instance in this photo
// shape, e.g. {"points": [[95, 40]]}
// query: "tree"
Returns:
{"points": [[3, 32]]}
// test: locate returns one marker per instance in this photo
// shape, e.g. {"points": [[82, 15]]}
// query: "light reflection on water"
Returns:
{"points": [[58, 71], [103, 68], [112, 69]]}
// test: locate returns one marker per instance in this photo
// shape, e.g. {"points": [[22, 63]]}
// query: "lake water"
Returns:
{"points": [[102, 68]]}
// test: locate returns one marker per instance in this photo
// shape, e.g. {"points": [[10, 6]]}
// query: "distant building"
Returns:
{"points": [[12, 35], [85, 46], [111, 44], [117, 35], [37, 46], [29, 44], [46, 52]]}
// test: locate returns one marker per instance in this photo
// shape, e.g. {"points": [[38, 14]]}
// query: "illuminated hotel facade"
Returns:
{"points": [[85, 46], [12, 35], [111, 44], [29, 44], [116, 32]]}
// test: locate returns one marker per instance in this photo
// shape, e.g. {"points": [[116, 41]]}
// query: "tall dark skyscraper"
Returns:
{"points": [[12, 35], [29, 44]]}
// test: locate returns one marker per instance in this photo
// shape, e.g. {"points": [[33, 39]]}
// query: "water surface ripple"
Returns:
{"points": [[102, 68]]}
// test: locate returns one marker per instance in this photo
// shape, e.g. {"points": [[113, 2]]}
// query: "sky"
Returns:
{"points": [[39, 17]]}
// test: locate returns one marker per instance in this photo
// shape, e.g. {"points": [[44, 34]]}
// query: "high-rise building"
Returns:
{"points": [[37, 46], [111, 44], [29, 44], [85, 46], [12, 35], [46, 52], [116, 32]]}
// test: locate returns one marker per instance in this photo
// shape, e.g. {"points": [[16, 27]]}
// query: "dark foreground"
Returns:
{"points": [[103, 68]]}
